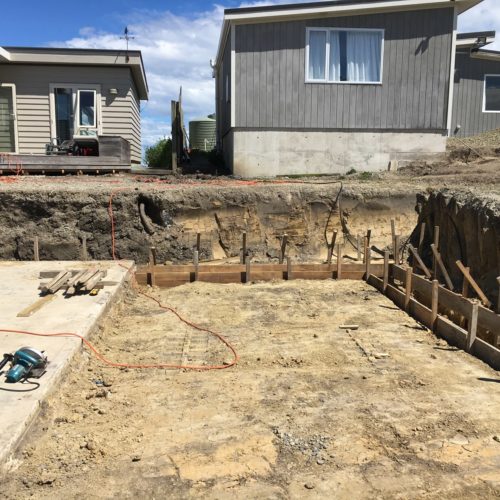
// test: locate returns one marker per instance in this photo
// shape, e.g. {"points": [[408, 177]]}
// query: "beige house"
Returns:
{"points": [[63, 94]]}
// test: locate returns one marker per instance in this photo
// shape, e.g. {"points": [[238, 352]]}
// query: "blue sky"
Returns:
{"points": [[177, 38]]}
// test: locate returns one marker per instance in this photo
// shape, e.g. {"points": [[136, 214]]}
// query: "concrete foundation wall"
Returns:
{"points": [[271, 153]]}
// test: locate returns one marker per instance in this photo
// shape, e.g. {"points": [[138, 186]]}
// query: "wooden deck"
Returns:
{"points": [[44, 164]]}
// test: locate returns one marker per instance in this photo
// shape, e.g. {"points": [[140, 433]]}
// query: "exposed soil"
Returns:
{"points": [[312, 410]]}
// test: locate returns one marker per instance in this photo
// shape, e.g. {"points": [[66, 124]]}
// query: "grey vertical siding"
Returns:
{"points": [[120, 113], [468, 96], [270, 76], [224, 106]]}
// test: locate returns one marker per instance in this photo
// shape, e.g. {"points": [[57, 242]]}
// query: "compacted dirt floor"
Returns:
{"points": [[311, 410]]}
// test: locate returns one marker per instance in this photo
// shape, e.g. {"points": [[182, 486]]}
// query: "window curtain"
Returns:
{"points": [[363, 56], [334, 74], [317, 55]]}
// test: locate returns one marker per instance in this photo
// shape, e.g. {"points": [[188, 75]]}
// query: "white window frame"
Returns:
{"points": [[14, 111], [78, 109], [327, 67], [484, 93], [75, 88]]}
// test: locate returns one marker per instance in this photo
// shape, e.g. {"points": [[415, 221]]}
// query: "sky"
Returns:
{"points": [[177, 39]]}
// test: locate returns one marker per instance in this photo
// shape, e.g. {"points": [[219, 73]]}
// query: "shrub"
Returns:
{"points": [[160, 154]]}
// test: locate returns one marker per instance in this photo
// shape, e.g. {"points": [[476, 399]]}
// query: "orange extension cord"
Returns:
{"points": [[113, 364]]}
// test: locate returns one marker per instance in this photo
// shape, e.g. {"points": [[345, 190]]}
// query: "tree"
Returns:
{"points": [[160, 154]]}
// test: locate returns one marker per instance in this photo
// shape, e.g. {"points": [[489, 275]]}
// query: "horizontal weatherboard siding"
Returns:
{"points": [[271, 88], [469, 94]]}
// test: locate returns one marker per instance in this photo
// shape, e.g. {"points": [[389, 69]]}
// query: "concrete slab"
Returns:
{"points": [[79, 314]]}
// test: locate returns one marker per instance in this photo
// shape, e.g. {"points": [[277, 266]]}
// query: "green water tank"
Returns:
{"points": [[202, 134]]}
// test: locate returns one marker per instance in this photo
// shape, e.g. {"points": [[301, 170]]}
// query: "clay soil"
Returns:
{"points": [[310, 411]]}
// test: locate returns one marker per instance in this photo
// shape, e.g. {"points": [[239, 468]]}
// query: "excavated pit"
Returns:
{"points": [[168, 217]]}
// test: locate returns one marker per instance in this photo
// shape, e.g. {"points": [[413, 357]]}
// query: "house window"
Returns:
{"points": [[86, 108], [491, 94], [344, 56]]}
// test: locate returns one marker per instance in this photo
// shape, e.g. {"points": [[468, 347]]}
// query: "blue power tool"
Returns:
{"points": [[25, 363]]}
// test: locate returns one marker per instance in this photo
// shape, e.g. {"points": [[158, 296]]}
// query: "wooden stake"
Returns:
{"points": [[365, 246], [396, 249], [288, 268], [420, 262], [36, 251], [465, 285], [196, 260], [498, 304], [444, 272], [473, 284], [248, 276], [368, 263], [152, 256], [244, 248], [339, 262], [368, 236], [152, 263], [436, 244], [393, 229], [284, 241], [435, 304], [422, 237], [386, 270], [198, 243], [408, 288], [85, 255], [332, 246], [358, 245], [472, 326]]}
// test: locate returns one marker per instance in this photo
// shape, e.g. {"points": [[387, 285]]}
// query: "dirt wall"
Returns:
{"points": [[469, 231], [62, 218]]}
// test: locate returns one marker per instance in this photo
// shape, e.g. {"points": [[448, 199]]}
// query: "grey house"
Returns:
{"points": [[325, 87], [48, 94], [476, 104]]}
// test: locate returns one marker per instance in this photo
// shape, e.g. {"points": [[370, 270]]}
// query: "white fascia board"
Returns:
{"points": [[343, 10], [4, 55]]}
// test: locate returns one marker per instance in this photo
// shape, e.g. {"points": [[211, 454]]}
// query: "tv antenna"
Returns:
{"points": [[127, 37]]}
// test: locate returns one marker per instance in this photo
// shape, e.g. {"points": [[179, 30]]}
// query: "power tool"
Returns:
{"points": [[25, 363]]}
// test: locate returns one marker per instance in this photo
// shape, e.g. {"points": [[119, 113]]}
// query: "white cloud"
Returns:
{"points": [[177, 50]]}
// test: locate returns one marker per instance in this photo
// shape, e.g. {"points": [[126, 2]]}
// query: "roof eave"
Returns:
{"points": [[302, 10], [486, 55]]}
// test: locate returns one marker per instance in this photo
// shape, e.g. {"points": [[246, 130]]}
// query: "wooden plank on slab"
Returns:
{"points": [[36, 306]]}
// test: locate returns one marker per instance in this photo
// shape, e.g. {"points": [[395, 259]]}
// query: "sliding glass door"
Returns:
{"points": [[8, 125]]}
